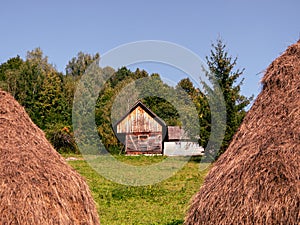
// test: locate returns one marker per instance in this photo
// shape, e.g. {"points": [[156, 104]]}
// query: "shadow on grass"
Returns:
{"points": [[175, 222], [196, 159], [172, 222]]}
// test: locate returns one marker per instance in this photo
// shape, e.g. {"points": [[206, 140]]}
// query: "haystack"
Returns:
{"points": [[257, 180], [36, 184]]}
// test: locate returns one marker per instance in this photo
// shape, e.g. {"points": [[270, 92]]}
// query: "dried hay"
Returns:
{"points": [[36, 184], [257, 180]]}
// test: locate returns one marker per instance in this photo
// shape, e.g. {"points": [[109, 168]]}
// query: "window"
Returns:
{"points": [[143, 137]]}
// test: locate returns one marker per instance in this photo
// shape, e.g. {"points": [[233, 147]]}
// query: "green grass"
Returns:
{"points": [[163, 203]]}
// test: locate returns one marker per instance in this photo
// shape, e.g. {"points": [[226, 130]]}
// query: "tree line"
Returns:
{"points": [[47, 95]]}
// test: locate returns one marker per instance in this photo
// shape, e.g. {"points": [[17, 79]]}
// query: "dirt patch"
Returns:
{"points": [[73, 159]]}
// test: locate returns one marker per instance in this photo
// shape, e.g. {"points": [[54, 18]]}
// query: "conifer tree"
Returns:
{"points": [[222, 68]]}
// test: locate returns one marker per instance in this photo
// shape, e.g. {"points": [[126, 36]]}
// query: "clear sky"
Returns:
{"points": [[256, 31]]}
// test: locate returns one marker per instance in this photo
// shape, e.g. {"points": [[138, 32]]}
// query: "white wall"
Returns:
{"points": [[181, 148]]}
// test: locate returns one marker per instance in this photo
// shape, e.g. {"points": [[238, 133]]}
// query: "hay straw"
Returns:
{"points": [[36, 184], [257, 180]]}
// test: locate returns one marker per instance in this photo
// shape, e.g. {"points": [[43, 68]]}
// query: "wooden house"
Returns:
{"points": [[141, 130]]}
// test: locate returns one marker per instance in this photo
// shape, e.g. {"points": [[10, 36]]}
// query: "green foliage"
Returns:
{"points": [[104, 122], [121, 91], [164, 109], [52, 106], [10, 74], [200, 102], [37, 86], [78, 65], [75, 68], [47, 96], [120, 75], [62, 138], [221, 67], [187, 85], [44, 100]]}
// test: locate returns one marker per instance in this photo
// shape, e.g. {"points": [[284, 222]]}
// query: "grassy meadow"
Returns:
{"points": [[163, 203]]}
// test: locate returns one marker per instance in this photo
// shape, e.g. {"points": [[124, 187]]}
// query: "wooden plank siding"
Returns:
{"points": [[143, 130], [144, 143], [138, 121]]}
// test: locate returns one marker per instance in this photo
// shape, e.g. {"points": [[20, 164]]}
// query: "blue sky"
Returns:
{"points": [[255, 31]]}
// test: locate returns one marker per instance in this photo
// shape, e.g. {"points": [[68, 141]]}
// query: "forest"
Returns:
{"points": [[47, 95]]}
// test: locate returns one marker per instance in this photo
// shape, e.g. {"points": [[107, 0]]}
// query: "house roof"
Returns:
{"points": [[176, 133], [144, 107]]}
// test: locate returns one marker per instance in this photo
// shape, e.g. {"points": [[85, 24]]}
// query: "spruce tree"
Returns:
{"points": [[222, 67]]}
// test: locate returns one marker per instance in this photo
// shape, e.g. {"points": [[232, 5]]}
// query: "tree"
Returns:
{"points": [[221, 67], [187, 85], [37, 86], [200, 103], [158, 97], [121, 91], [51, 102], [103, 114], [78, 65], [10, 74]]}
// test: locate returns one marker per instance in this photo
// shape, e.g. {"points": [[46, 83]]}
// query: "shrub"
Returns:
{"points": [[62, 138]]}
